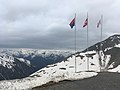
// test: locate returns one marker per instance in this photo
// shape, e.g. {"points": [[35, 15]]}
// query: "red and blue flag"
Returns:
{"points": [[72, 23], [86, 22]]}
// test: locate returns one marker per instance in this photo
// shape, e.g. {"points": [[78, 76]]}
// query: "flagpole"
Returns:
{"points": [[75, 42], [87, 46], [101, 38], [101, 29]]}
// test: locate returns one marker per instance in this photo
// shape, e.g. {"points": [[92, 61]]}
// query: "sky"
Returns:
{"points": [[44, 24]]}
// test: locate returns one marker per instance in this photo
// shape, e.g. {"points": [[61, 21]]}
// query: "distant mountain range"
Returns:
{"points": [[103, 56], [19, 63], [12, 68]]}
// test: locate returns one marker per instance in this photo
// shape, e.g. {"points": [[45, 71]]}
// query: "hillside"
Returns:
{"points": [[98, 60], [19, 63]]}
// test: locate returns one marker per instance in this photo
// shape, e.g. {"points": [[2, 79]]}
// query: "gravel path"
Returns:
{"points": [[104, 81]]}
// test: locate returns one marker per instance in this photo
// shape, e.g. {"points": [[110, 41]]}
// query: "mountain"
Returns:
{"points": [[110, 42], [64, 70], [12, 68], [19, 63], [109, 56], [93, 60], [102, 56]]}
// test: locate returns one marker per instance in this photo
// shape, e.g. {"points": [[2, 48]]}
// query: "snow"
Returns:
{"points": [[93, 62], [64, 70], [39, 52], [104, 60], [25, 61], [7, 56], [118, 37], [107, 59], [112, 65], [6, 60], [118, 45], [117, 69], [108, 49], [30, 82]]}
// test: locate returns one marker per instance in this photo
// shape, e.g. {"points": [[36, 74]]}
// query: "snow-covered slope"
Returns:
{"points": [[6, 61], [18, 63], [38, 58], [107, 44], [107, 59], [11, 67], [117, 69], [109, 56], [64, 70]]}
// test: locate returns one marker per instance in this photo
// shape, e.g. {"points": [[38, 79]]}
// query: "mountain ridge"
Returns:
{"points": [[24, 62], [99, 60]]}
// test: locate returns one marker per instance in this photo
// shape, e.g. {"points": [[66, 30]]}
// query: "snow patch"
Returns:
{"points": [[118, 45], [30, 82], [6, 60], [64, 70], [25, 61], [117, 69]]}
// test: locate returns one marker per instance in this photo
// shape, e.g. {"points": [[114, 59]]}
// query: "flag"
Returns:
{"points": [[85, 23], [72, 23], [98, 24]]}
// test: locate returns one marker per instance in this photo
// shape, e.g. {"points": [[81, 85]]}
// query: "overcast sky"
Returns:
{"points": [[44, 24]]}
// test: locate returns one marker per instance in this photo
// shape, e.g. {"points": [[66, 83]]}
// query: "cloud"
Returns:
{"points": [[44, 23]]}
